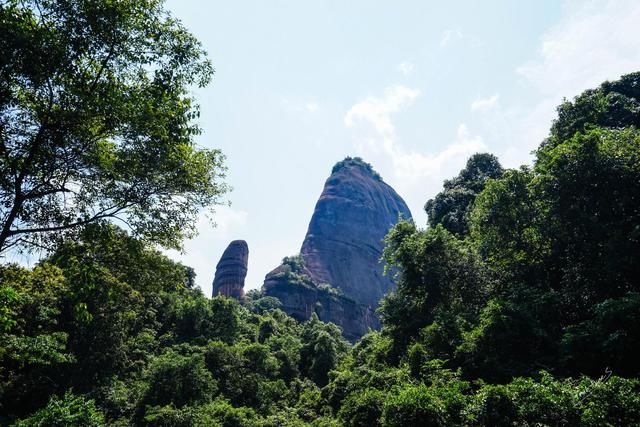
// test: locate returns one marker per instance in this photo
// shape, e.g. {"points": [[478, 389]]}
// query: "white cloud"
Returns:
{"points": [[407, 164], [377, 111], [415, 175], [484, 104], [405, 67], [449, 36], [593, 42], [312, 107], [413, 165]]}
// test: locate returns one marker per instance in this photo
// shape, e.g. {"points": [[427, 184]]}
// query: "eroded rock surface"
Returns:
{"points": [[232, 270], [344, 244], [339, 274], [301, 296]]}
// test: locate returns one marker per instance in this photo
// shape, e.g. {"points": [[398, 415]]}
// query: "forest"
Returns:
{"points": [[517, 304]]}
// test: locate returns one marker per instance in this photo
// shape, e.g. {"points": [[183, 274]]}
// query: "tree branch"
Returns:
{"points": [[100, 215]]}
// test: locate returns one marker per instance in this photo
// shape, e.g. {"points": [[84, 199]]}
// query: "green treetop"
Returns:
{"points": [[96, 121]]}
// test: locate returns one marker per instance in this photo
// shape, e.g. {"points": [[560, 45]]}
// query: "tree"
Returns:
{"points": [[70, 411], [363, 408], [441, 283], [591, 192], [178, 380], [612, 105], [322, 348], [413, 406], [506, 228], [96, 121], [82, 316], [32, 340], [110, 303], [452, 205]]}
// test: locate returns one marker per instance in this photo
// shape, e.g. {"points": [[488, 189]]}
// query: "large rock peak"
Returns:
{"points": [[232, 270], [340, 256], [344, 242]]}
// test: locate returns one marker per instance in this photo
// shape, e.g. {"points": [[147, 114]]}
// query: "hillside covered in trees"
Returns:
{"points": [[518, 304], [523, 310]]}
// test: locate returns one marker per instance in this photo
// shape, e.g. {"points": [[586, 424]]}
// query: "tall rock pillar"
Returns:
{"points": [[232, 270]]}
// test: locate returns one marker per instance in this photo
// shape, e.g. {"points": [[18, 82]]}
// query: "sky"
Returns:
{"points": [[412, 87]]}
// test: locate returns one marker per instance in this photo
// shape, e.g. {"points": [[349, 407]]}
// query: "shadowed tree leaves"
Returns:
{"points": [[96, 121], [451, 207]]}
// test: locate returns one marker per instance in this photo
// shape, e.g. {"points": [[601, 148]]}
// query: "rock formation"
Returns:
{"points": [[300, 297], [232, 270], [339, 274]]}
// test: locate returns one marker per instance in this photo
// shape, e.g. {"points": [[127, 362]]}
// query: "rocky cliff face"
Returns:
{"points": [[339, 275], [301, 296], [232, 270], [344, 244]]}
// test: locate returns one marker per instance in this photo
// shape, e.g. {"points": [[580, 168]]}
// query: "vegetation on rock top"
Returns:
{"points": [[355, 161]]}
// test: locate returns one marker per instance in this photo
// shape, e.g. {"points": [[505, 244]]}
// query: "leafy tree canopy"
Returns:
{"points": [[96, 121], [451, 207], [612, 105]]}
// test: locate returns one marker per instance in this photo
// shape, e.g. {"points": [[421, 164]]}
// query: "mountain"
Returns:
{"points": [[338, 274]]}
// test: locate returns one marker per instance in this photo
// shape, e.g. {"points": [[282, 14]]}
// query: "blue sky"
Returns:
{"points": [[413, 87]]}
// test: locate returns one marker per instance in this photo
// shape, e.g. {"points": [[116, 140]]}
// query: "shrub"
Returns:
{"points": [[70, 411], [413, 405], [492, 406], [363, 408], [179, 380]]}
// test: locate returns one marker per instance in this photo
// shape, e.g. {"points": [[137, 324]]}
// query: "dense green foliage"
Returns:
{"points": [[518, 305], [452, 206], [117, 331], [96, 121], [548, 275]]}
